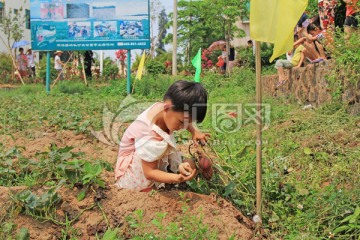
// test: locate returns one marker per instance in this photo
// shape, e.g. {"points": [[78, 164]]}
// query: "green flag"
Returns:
{"points": [[196, 62]]}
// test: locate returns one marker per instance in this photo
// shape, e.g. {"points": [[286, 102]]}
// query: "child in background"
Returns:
{"points": [[148, 148], [296, 60]]}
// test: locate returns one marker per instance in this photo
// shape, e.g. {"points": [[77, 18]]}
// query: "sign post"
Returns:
{"points": [[47, 72], [89, 25], [128, 75]]}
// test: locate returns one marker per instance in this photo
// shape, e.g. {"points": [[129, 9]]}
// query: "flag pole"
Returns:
{"points": [[258, 131]]}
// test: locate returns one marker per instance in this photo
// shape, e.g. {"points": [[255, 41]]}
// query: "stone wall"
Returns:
{"points": [[308, 85]]}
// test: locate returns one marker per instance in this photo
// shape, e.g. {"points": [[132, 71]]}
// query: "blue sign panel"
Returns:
{"points": [[89, 24]]}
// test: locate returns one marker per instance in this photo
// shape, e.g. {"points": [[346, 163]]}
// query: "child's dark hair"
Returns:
{"points": [[312, 27], [188, 96]]}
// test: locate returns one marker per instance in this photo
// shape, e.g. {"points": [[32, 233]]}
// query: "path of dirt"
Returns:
{"points": [[217, 213]]}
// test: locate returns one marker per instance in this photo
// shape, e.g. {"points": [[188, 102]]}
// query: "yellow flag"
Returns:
{"points": [[141, 67], [273, 21]]}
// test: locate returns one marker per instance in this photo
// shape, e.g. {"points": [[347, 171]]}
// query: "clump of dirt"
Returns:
{"points": [[217, 213]]}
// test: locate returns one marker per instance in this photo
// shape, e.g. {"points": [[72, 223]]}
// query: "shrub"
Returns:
{"points": [[110, 70], [154, 67], [5, 67]]}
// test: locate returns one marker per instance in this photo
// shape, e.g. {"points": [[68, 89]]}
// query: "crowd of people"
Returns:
{"points": [[313, 37]]}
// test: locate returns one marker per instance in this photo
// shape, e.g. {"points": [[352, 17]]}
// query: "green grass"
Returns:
{"points": [[310, 158]]}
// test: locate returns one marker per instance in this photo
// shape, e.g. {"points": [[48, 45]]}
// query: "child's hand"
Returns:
{"points": [[199, 136], [183, 178], [185, 169]]}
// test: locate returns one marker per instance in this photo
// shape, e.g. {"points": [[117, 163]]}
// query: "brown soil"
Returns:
{"points": [[217, 213]]}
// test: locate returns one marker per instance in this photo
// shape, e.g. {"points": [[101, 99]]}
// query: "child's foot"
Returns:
{"points": [[318, 60], [280, 83]]}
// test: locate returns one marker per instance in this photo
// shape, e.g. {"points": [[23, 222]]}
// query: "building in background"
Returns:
{"points": [[15, 5]]}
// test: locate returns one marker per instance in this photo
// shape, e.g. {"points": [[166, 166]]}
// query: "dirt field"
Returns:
{"points": [[216, 213]]}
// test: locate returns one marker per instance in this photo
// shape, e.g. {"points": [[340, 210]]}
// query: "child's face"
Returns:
{"points": [[175, 120]]}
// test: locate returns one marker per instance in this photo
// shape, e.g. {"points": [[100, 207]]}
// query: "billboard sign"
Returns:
{"points": [[89, 24]]}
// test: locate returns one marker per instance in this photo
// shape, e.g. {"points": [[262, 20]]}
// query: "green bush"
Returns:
{"points": [[153, 86], [154, 67], [6, 67], [110, 70]]}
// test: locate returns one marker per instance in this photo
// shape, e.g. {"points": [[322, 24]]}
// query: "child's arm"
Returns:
{"points": [[152, 173], [197, 135], [301, 40]]}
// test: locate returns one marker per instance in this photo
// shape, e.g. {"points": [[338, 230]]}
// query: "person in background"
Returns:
{"points": [[224, 55], [58, 64], [22, 62], [231, 57], [351, 22], [326, 10], [88, 60], [31, 62], [251, 44], [296, 60]]}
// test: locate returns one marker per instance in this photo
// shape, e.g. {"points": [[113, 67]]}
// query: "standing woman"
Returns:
{"points": [[327, 13], [31, 62]]}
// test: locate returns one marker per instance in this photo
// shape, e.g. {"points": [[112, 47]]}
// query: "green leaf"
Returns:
{"points": [[23, 234], [110, 234], [354, 226], [101, 183], [307, 151], [346, 219], [357, 211], [274, 217], [341, 229], [81, 195], [229, 188]]}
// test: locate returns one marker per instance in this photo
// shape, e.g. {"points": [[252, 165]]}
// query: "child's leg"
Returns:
{"points": [[310, 51], [320, 49], [280, 65]]}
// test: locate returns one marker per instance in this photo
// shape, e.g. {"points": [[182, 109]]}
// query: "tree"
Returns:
{"points": [[155, 7], [202, 22], [12, 25], [163, 21]]}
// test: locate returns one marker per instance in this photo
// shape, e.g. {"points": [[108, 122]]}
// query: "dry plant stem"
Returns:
{"points": [[83, 69], [46, 219], [101, 209], [104, 215], [13, 61], [223, 172]]}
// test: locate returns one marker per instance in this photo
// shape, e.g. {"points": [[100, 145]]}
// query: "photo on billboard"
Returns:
{"points": [[105, 29], [79, 30], [45, 34], [78, 10], [89, 24], [104, 10], [51, 11], [129, 29]]}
